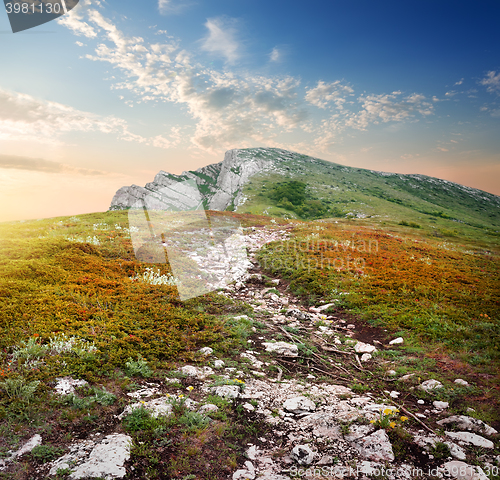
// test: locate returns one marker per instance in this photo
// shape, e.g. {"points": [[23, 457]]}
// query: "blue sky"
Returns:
{"points": [[117, 90]]}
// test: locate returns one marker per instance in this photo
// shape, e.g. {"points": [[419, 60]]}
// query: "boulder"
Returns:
{"points": [[299, 405], [468, 423], [302, 454], [472, 438], [463, 471], [282, 348], [376, 447], [430, 385]]}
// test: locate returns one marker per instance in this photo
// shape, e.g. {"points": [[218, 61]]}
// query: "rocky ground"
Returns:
{"points": [[333, 406]]}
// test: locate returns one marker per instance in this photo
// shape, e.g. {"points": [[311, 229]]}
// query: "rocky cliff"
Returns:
{"points": [[219, 184]]}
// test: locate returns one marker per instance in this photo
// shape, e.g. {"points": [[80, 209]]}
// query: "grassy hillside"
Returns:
{"points": [[439, 207], [75, 301]]}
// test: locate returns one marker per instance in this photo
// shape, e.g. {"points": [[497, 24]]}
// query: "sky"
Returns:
{"points": [[115, 91]]}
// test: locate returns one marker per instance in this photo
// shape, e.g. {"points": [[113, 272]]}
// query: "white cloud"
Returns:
{"points": [[492, 82], [390, 108], [221, 39], [163, 5], [275, 55], [25, 117], [325, 93], [459, 82]]}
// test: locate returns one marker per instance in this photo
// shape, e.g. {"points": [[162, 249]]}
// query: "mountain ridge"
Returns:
{"points": [[245, 179]]}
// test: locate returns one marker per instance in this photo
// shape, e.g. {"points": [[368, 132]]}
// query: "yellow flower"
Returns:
{"points": [[392, 424], [372, 421], [190, 388], [387, 411], [403, 418], [181, 396], [143, 402]]}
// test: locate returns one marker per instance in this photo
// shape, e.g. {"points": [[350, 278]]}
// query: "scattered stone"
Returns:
{"points": [[459, 381], [421, 402], [144, 392], [406, 378], [33, 442], [207, 351], [226, 391], [430, 385], [282, 348], [208, 408], [253, 360], [376, 447], [299, 314], [395, 394], [463, 471], [67, 385], [361, 347], [191, 371], [157, 407], [440, 405], [351, 326], [299, 405], [248, 407], [468, 423], [302, 454], [396, 341], [391, 372], [106, 459], [219, 364], [472, 438], [247, 473], [326, 460], [366, 357]]}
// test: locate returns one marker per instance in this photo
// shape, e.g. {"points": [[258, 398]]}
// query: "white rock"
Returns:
{"points": [[253, 453], [391, 372], [459, 381], [302, 454], [208, 408], [463, 471], [144, 392], [440, 405], [247, 473], [253, 360], [361, 347], [376, 447], [299, 405], [420, 402], [219, 364], [430, 385], [207, 351], [396, 341], [468, 423], [472, 438], [325, 307], [395, 394], [366, 357], [67, 385], [226, 391], [157, 407], [248, 407], [106, 459], [33, 442], [282, 348]]}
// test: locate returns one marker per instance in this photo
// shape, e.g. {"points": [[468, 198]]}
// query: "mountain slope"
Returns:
{"points": [[247, 181]]}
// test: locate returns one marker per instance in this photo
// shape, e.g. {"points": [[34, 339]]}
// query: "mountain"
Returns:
{"points": [[261, 180]]}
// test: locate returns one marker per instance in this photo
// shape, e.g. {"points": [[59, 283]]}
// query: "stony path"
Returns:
{"points": [[298, 378]]}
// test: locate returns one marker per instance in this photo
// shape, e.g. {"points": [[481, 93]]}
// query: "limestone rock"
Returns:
{"points": [[463, 471], [440, 405], [208, 408], [468, 423], [462, 382], [302, 454], [282, 348], [226, 391], [361, 347], [106, 459], [472, 438], [207, 351], [430, 385], [396, 341], [376, 447], [67, 385], [299, 405]]}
